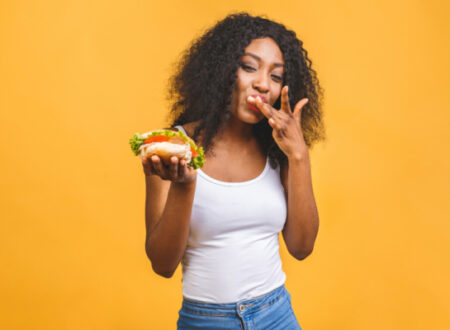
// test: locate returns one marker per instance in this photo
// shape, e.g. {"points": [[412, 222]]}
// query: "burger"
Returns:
{"points": [[166, 144]]}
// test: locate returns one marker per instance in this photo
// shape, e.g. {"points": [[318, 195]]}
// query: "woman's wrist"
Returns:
{"points": [[185, 185], [299, 156]]}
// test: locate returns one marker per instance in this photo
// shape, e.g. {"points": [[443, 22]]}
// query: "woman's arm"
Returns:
{"points": [[302, 223], [168, 209]]}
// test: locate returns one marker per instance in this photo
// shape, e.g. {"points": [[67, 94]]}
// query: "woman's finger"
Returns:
{"points": [[285, 106], [265, 108], [278, 126], [158, 166], [182, 169], [173, 168], [272, 123], [280, 123], [153, 163], [147, 164], [299, 107]]}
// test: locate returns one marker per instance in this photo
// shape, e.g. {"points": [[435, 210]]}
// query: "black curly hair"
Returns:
{"points": [[202, 85]]}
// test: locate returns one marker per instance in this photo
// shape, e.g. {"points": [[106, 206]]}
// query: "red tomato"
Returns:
{"points": [[194, 153], [156, 138]]}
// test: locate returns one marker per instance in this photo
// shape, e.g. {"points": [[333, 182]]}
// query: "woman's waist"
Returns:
{"points": [[227, 284], [259, 301]]}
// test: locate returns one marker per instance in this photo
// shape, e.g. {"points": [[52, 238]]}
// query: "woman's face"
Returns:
{"points": [[261, 73]]}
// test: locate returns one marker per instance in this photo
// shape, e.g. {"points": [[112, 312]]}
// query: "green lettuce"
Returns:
{"points": [[136, 141]]}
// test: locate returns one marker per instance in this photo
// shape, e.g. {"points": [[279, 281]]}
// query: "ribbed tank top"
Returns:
{"points": [[232, 251]]}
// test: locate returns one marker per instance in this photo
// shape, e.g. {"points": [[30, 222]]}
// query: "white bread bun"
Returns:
{"points": [[165, 150]]}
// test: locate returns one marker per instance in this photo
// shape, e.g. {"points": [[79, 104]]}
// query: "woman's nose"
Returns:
{"points": [[261, 82]]}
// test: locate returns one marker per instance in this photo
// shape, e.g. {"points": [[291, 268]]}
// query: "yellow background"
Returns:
{"points": [[78, 78]]}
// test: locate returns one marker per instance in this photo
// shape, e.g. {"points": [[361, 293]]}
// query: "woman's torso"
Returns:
{"points": [[238, 211]]}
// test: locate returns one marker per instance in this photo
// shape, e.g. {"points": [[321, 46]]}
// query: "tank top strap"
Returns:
{"points": [[181, 129]]}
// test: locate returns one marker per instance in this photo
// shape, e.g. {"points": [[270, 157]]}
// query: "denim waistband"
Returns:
{"points": [[241, 307]]}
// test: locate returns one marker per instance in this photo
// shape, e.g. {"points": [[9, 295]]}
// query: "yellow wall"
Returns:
{"points": [[78, 78]]}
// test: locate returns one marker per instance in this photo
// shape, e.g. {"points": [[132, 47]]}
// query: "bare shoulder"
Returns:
{"points": [[188, 127]]}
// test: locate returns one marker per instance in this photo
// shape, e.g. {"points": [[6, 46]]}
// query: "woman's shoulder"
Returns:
{"points": [[189, 128]]}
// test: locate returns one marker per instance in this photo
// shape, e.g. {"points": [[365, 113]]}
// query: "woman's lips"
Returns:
{"points": [[260, 96], [254, 107]]}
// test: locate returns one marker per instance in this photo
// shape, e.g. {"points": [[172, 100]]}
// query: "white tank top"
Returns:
{"points": [[232, 251]]}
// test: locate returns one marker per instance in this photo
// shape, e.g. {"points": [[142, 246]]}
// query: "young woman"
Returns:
{"points": [[244, 91]]}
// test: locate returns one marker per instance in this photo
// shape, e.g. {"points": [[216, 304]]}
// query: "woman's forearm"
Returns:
{"points": [[302, 222], [166, 242]]}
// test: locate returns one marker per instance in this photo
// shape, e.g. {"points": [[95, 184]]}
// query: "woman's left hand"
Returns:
{"points": [[286, 124]]}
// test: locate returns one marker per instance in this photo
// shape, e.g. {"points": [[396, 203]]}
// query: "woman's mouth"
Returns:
{"points": [[260, 96], [253, 106]]}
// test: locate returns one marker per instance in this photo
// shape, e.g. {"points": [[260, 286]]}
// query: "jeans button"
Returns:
{"points": [[242, 308]]}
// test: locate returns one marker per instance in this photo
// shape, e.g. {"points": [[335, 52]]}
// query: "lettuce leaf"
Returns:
{"points": [[135, 142], [197, 162]]}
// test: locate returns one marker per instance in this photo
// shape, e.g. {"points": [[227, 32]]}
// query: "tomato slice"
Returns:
{"points": [[194, 153], [157, 138]]}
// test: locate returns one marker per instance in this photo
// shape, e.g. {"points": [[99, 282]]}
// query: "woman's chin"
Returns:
{"points": [[248, 115], [251, 117]]}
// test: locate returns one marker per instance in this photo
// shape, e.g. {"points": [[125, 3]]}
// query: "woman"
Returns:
{"points": [[246, 93]]}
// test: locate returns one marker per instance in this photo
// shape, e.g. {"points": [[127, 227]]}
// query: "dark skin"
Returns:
{"points": [[171, 188], [242, 166]]}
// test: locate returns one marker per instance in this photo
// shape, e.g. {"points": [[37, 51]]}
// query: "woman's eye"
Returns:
{"points": [[277, 78], [247, 68]]}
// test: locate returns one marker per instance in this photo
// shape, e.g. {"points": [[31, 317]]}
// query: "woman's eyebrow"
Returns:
{"points": [[259, 59]]}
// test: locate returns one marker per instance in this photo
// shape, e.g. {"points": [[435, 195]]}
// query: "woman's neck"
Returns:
{"points": [[236, 131], [237, 135]]}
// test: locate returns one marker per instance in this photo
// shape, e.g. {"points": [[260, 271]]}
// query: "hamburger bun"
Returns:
{"points": [[165, 144]]}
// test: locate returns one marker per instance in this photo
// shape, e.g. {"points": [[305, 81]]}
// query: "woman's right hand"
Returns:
{"points": [[178, 170]]}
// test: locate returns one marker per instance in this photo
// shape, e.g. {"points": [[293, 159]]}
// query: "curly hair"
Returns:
{"points": [[202, 85]]}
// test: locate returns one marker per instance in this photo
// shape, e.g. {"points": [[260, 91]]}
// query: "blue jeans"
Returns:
{"points": [[270, 311]]}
